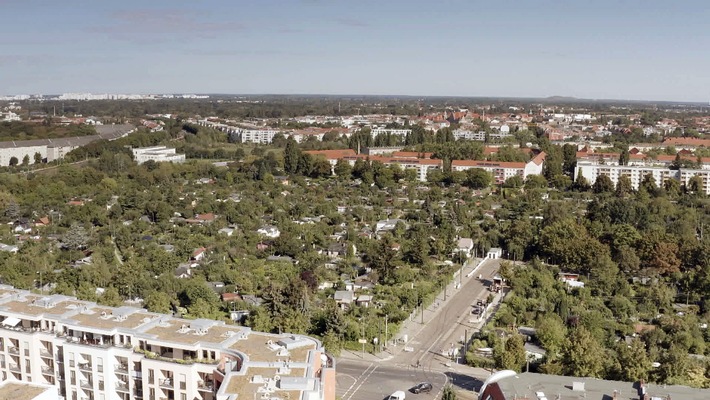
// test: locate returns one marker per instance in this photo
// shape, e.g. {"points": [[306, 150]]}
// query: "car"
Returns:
{"points": [[424, 387], [398, 395]]}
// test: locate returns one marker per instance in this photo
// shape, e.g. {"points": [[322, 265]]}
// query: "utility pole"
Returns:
{"points": [[386, 316]]}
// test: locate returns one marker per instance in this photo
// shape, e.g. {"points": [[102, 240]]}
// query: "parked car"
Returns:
{"points": [[398, 395], [424, 387]]}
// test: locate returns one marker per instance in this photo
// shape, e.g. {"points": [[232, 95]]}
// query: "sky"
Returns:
{"points": [[600, 49]]}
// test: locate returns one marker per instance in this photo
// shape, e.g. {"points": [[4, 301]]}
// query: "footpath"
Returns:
{"points": [[412, 326]]}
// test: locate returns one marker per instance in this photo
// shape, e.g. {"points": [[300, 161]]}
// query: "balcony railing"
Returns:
{"points": [[121, 368], [205, 387], [48, 370], [86, 384], [155, 356], [122, 387], [85, 366], [13, 350], [44, 353], [15, 367], [166, 383]]}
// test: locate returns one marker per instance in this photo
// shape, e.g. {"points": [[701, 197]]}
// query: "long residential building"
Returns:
{"points": [[55, 149], [502, 171], [405, 160], [593, 165], [422, 163], [95, 352]]}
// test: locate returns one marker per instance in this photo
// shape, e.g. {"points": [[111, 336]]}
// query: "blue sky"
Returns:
{"points": [[616, 49]]}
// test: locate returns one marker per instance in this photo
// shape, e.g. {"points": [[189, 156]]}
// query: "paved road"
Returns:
{"points": [[375, 381], [443, 329]]}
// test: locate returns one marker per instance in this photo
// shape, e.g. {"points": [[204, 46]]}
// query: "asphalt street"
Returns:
{"points": [[372, 380], [377, 376]]}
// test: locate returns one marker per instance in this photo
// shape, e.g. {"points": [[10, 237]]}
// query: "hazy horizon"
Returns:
{"points": [[607, 50]]}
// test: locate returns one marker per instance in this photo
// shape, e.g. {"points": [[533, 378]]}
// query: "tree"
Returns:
{"points": [[623, 186], [158, 302], [603, 184], [26, 160], [14, 161], [13, 210], [624, 157], [569, 159], [632, 362], [535, 182], [342, 169], [292, 157], [448, 393], [383, 259], [551, 332], [513, 355], [38, 158], [695, 185], [478, 178], [582, 355], [76, 238]]}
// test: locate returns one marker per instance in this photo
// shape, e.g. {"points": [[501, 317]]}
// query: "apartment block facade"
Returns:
{"points": [[593, 165], [157, 154], [92, 352]]}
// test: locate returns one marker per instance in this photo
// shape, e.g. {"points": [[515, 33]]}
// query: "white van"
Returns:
{"points": [[398, 395]]}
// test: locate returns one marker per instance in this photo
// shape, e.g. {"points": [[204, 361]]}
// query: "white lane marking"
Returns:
{"points": [[361, 383]]}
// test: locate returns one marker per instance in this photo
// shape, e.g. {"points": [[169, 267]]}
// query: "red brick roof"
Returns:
{"points": [[332, 154], [486, 164], [675, 141]]}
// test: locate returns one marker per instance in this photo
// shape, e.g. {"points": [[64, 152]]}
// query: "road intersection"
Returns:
{"points": [[446, 323]]}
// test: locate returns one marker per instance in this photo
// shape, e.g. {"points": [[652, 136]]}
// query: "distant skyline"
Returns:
{"points": [[596, 49]]}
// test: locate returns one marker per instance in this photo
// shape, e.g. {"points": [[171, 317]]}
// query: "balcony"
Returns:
{"points": [[166, 383], [85, 366], [15, 368], [204, 387], [138, 393], [121, 369], [48, 371], [13, 350], [122, 387], [44, 353], [86, 385]]}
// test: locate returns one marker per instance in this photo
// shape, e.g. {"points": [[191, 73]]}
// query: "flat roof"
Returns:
{"points": [[32, 306], [530, 384], [103, 318], [170, 331], [244, 388], [256, 347], [20, 390]]}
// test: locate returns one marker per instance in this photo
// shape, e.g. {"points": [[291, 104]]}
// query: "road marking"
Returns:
{"points": [[361, 383], [340, 375]]}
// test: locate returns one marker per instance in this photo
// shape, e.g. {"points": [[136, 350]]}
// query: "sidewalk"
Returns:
{"points": [[412, 326]]}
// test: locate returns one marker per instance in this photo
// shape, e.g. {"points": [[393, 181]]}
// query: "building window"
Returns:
{"points": [[183, 384]]}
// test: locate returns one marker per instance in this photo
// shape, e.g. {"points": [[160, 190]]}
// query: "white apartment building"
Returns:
{"points": [[157, 154], [591, 170], [501, 171], [258, 136], [462, 134], [92, 352], [394, 132]]}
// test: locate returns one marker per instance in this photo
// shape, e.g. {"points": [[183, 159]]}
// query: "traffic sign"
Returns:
{"points": [[362, 341]]}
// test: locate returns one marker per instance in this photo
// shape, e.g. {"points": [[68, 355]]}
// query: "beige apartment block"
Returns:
{"points": [[92, 352]]}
